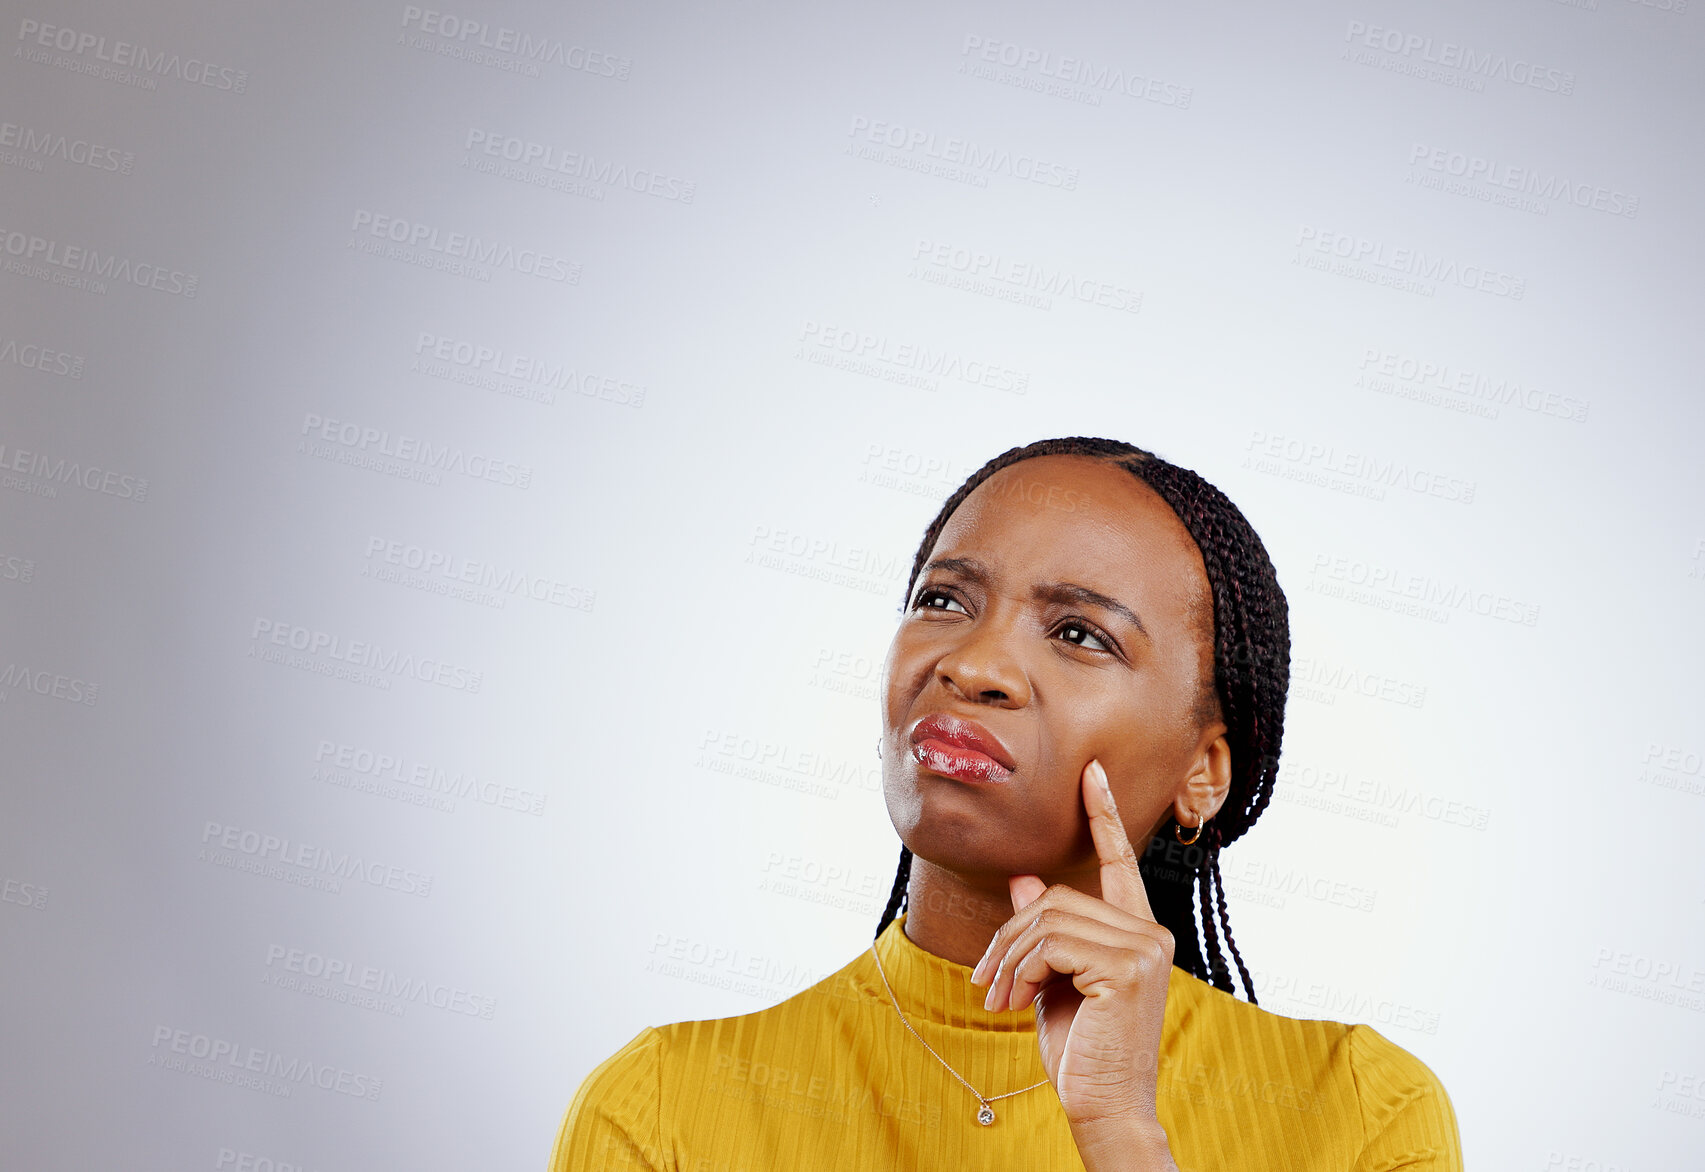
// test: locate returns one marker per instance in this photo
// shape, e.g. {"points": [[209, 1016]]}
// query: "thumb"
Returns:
{"points": [[1025, 890]]}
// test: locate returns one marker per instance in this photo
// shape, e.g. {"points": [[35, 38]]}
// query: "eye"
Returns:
{"points": [[1082, 634], [938, 600]]}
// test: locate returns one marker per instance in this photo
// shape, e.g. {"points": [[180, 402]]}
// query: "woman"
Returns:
{"points": [[1094, 653]]}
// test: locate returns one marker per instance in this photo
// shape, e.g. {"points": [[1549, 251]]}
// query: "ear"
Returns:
{"points": [[1203, 790]]}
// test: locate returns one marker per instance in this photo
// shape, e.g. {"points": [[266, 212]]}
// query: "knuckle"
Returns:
{"points": [[1157, 949]]}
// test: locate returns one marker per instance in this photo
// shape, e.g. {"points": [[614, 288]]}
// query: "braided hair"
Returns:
{"points": [[1252, 655]]}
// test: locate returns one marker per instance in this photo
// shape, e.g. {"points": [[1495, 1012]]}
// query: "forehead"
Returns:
{"points": [[1082, 520]]}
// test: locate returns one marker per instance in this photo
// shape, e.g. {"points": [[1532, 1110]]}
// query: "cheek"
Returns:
{"points": [[900, 674], [1135, 735], [1097, 713]]}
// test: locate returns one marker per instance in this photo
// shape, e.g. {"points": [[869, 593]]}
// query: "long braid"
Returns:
{"points": [[897, 897], [1251, 637], [1217, 975], [1225, 922]]}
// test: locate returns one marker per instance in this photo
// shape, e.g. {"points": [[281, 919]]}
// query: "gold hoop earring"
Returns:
{"points": [[1178, 831]]}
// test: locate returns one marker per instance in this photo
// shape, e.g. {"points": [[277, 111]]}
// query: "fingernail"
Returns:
{"points": [[989, 1000], [1101, 778], [977, 973]]}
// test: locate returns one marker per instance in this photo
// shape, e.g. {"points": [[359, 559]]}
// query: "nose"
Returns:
{"points": [[984, 667]]}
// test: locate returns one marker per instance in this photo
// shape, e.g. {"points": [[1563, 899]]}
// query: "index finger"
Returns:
{"points": [[1121, 881]]}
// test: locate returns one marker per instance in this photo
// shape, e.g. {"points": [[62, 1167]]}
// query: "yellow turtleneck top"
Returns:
{"points": [[829, 1078]]}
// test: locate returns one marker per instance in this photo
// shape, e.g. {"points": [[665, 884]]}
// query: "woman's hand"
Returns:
{"points": [[1097, 970]]}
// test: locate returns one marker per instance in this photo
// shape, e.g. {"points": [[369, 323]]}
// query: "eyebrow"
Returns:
{"points": [[1056, 592]]}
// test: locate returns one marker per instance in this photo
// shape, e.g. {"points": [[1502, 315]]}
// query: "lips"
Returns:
{"points": [[961, 749]]}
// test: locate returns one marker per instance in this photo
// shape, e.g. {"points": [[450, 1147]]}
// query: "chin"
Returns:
{"points": [[976, 851]]}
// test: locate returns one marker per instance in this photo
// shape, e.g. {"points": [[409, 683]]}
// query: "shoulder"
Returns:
{"points": [[675, 1080], [661, 1059], [623, 1073], [613, 1119], [1382, 1098], [1404, 1105], [1208, 1016], [782, 1035]]}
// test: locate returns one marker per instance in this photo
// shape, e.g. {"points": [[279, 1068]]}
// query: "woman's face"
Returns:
{"points": [[1063, 615]]}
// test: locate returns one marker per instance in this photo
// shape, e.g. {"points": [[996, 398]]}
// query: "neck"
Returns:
{"points": [[954, 916]]}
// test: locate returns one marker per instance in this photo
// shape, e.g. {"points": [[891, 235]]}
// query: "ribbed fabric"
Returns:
{"points": [[831, 1079]]}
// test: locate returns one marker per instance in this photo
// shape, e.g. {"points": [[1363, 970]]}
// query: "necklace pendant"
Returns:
{"points": [[985, 1115]]}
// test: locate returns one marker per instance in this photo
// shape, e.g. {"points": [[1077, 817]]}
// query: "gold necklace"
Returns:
{"points": [[985, 1113]]}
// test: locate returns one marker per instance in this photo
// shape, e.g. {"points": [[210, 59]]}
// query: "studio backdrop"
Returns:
{"points": [[461, 467]]}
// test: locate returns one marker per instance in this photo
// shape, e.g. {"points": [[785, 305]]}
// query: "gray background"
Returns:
{"points": [[588, 506]]}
